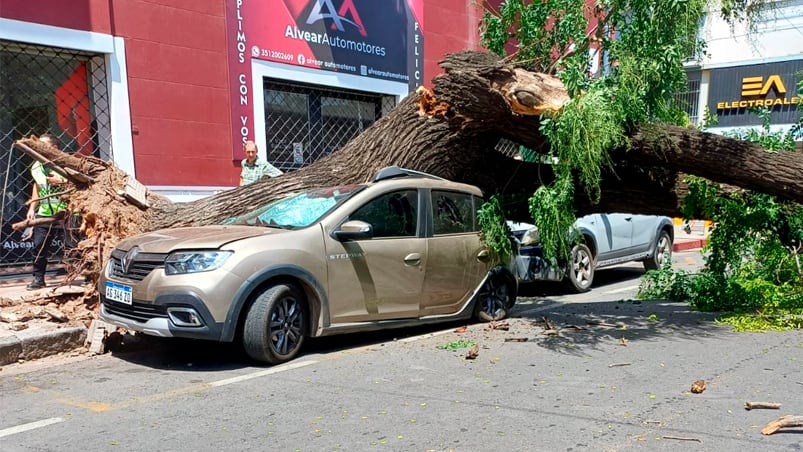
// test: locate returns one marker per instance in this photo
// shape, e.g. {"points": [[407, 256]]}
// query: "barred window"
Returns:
{"points": [[304, 123]]}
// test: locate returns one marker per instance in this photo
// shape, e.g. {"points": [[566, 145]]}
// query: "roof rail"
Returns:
{"points": [[390, 172]]}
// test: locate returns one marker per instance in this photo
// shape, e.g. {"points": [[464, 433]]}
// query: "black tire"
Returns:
{"points": [[275, 325], [663, 252], [580, 270], [495, 297]]}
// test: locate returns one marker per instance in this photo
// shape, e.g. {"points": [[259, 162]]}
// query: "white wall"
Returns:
{"points": [[116, 74], [778, 38]]}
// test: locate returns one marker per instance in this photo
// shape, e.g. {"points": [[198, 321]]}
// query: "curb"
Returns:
{"points": [[38, 343], [689, 244]]}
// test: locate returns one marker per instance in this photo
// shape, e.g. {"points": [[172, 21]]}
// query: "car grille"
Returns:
{"points": [[139, 312], [142, 264]]}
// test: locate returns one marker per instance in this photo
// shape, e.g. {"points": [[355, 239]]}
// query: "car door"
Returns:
{"points": [[612, 232], [379, 278], [456, 260], [645, 228]]}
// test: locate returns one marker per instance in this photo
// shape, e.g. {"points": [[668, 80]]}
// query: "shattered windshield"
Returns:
{"points": [[297, 210]]}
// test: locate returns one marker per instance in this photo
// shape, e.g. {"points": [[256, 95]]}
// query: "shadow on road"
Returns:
{"points": [[190, 355], [602, 278], [573, 328]]}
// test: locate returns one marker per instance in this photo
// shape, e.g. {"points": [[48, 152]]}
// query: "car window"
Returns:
{"points": [[453, 212], [297, 210], [393, 214]]}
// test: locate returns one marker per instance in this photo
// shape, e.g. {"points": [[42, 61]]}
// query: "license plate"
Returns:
{"points": [[118, 292]]}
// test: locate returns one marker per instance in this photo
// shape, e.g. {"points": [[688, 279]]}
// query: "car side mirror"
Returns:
{"points": [[354, 230]]}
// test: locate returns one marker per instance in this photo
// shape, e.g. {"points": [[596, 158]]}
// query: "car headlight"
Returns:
{"points": [[195, 261]]}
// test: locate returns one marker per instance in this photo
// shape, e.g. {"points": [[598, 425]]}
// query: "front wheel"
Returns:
{"points": [[275, 325], [495, 297], [580, 269], [662, 254]]}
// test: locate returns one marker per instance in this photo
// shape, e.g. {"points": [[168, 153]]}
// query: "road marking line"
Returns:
{"points": [[99, 407], [261, 373], [425, 336], [621, 289], [30, 426], [555, 305]]}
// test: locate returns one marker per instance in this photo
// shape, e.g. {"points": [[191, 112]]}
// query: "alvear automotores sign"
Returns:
{"points": [[373, 39]]}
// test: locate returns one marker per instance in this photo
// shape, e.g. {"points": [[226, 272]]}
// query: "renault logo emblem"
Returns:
{"points": [[129, 258]]}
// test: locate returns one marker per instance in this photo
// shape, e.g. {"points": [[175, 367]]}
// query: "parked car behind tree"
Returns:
{"points": [[603, 240]]}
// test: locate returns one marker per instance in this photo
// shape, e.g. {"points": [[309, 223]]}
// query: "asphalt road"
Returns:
{"points": [[596, 371]]}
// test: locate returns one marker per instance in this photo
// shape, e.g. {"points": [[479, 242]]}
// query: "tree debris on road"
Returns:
{"points": [[698, 386], [761, 406], [787, 421]]}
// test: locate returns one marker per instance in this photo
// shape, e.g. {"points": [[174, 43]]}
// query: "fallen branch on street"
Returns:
{"points": [[761, 406], [782, 422]]}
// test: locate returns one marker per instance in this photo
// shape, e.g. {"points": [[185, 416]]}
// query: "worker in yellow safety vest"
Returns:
{"points": [[45, 202]]}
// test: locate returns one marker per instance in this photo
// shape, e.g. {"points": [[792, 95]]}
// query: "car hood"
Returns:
{"points": [[199, 237]]}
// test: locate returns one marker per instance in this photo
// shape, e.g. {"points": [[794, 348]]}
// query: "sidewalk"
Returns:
{"points": [[691, 236], [38, 337]]}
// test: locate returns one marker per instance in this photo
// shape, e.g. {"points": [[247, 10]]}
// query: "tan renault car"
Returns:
{"points": [[401, 250]]}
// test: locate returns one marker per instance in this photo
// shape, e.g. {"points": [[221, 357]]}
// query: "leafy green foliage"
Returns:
{"points": [[496, 235], [753, 269], [582, 134], [771, 140], [455, 345], [551, 208], [641, 72]]}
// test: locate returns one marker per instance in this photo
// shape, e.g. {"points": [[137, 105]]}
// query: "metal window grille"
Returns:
{"points": [[304, 123], [45, 90], [689, 100]]}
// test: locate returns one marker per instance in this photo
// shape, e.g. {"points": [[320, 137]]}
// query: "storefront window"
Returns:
{"points": [[304, 123], [45, 90]]}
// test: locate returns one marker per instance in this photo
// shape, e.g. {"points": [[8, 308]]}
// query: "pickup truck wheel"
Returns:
{"points": [[494, 298], [580, 271], [275, 324], [663, 252]]}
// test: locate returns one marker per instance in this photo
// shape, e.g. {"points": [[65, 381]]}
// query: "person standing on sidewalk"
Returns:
{"points": [[45, 203], [253, 168]]}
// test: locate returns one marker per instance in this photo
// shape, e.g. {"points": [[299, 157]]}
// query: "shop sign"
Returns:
{"points": [[735, 91], [365, 38]]}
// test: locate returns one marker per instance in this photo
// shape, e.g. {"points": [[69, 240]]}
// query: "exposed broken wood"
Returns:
{"points": [[698, 386], [761, 406], [69, 172], [61, 193], [473, 352], [787, 421], [682, 438], [57, 218], [502, 326]]}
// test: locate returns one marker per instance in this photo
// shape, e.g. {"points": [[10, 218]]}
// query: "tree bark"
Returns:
{"points": [[452, 131]]}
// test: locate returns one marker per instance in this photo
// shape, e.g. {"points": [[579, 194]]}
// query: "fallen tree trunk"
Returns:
{"points": [[452, 131]]}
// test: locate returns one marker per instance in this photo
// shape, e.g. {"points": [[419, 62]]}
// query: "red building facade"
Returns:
{"points": [[171, 114]]}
